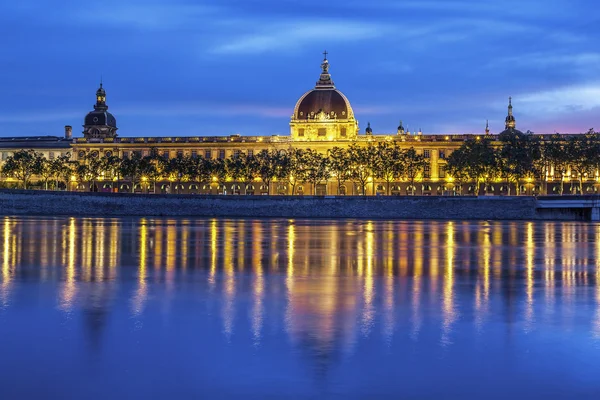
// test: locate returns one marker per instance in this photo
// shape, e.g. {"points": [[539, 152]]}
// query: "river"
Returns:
{"points": [[117, 308]]}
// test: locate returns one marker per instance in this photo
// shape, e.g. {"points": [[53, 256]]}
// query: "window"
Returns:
{"points": [[4, 155], [441, 171], [194, 154], [301, 132], [51, 155], [207, 154], [236, 153], [138, 153], [427, 153], [125, 154], [427, 171], [250, 153], [343, 132], [179, 153], [222, 154], [322, 132], [442, 154]]}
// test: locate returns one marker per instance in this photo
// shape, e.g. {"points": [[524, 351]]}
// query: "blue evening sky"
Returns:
{"points": [[217, 67]]}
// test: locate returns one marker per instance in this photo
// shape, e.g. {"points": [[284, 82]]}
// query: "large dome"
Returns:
{"points": [[323, 103]]}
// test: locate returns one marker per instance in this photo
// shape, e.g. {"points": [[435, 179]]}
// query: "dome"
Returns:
{"points": [[98, 117], [323, 103]]}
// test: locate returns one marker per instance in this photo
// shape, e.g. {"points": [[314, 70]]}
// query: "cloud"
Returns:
{"points": [[203, 110], [292, 35], [564, 100]]}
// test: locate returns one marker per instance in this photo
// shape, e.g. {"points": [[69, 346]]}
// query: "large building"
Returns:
{"points": [[322, 118]]}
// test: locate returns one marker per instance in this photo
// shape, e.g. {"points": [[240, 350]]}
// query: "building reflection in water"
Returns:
{"points": [[327, 284]]}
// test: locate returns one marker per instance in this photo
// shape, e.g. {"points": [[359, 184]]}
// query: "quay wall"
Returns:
{"points": [[31, 202]]}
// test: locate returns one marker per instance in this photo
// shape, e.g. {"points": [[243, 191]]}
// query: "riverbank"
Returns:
{"points": [[30, 202]]}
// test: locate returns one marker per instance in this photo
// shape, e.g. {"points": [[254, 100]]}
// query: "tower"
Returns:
{"points": [[510, 122], [401, 129], [100, 124]]}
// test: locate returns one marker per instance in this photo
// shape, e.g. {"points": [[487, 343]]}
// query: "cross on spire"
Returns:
{"points": [[325, 55]]}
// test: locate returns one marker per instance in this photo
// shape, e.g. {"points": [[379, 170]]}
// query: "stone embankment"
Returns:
{"points": [[21, 202]]}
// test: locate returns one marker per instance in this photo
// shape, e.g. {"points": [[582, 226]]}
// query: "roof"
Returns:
{"points": [[35, 142]]}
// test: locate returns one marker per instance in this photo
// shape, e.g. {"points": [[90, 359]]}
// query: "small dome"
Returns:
{"points": [[368, 131], [98, 117]]}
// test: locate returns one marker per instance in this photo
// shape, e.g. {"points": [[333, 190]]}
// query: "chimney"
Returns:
{"points": [[68, 132]]}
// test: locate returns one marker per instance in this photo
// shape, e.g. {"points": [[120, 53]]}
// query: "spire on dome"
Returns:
{"points": [[325, 81], [487, 127], [510, 122]]}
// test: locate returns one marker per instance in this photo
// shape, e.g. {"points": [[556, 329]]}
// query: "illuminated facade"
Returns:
{"points": [[322, 118]]}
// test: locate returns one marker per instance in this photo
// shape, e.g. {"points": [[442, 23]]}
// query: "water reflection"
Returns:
{"points": [[327, 286]]}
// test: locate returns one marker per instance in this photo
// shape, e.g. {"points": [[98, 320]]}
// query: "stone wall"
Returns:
{"points": [[19, 202]]}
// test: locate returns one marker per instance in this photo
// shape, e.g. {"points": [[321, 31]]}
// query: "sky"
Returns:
{"points": [[221, 67]]}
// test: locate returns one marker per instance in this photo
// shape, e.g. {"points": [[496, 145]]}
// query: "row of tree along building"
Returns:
{"points": [[323, 155]]}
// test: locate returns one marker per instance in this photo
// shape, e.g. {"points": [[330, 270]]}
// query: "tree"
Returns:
{"points": [[339, 164], [477, 159], [557, 156], [45, 171], [22, 166], [315, 166], [414, 166], [218, 168], [295, 169], [582, 153], [267, 163], [389, 163], [178, 169], [61, 169], [362, 160], [243, 168], [517, 157], [112, 166], [131, 168]]}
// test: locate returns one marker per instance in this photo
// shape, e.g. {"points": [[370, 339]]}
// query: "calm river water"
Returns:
{"points": [[271, 309]]}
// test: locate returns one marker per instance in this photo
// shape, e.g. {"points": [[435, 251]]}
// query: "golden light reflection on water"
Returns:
{"points": [[141, 295], [449, 311], [70, 286], [326, 283], [529, 266]]}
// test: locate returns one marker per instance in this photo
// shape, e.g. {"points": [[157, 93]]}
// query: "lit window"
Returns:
{"points": [[301, 132], [250, 153], [427, 171], [322, 132], [442, 171], [343, 132]]}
